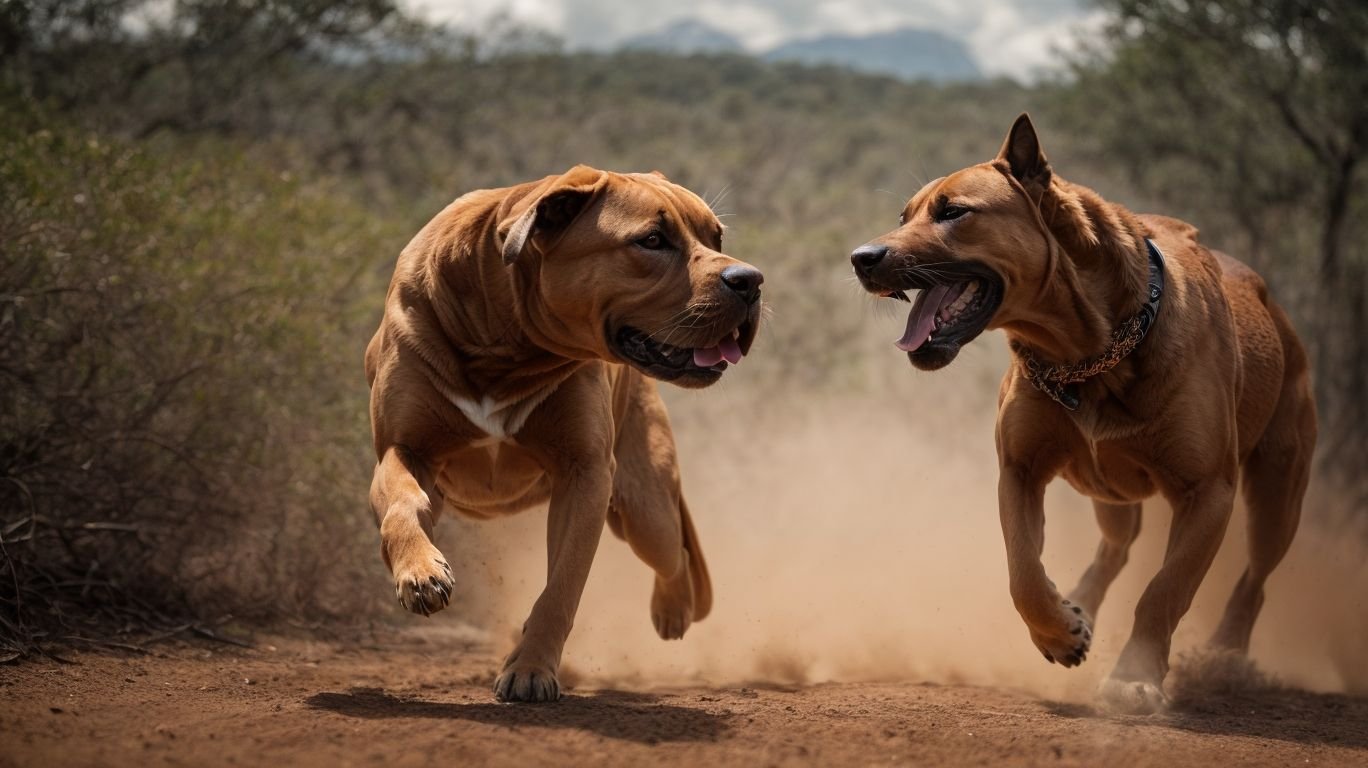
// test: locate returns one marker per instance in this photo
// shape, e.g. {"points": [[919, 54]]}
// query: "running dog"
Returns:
{"points": [[515, 366], [1142, 363]]}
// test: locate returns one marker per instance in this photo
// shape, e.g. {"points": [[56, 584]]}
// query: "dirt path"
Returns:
{"points": [[413, 701]]}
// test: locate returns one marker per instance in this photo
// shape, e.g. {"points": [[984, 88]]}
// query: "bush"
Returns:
{"points": [[182, 393]]}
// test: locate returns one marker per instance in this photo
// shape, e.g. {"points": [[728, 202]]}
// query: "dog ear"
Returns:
{"points": [[1024, 158], [554, 211]]}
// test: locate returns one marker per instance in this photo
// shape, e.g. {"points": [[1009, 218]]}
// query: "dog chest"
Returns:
{"points": [[499, 420], [1109, 474], [492, 477]]}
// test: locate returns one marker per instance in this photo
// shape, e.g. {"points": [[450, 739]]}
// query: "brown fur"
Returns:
{"points": [[1219, 385], [496, 386]]}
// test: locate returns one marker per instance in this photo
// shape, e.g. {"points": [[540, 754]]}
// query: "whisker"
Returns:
{"points": [[721, 196], [689, 318], [673, 320]]}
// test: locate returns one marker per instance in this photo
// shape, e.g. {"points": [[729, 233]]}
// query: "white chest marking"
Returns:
{"points": [[487, 414], [501, 421]]}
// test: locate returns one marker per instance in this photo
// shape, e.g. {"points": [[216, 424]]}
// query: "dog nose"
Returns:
{"points": [[745, 280], [868, 256]]}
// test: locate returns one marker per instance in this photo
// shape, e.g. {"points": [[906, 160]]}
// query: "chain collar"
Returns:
{"points": [[1060, 382]]}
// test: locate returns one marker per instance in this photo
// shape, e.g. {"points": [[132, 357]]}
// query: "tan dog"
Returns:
{"points": [[511, 369], [1218, 383]]}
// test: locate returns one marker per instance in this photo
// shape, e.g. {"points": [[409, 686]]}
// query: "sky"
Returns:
{"points": [[1007, 37]]}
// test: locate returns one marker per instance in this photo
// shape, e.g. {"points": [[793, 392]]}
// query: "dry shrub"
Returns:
{"points": [[181, 391]]}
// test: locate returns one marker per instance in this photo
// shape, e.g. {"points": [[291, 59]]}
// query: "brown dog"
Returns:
{"points": [[1136, 369], [514, 367]]}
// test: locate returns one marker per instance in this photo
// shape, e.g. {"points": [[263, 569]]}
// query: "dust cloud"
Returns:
{"points": [[853, 536]]}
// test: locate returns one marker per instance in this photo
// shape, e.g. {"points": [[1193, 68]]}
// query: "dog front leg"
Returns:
{"points": [[400, 498], [578, 509], [1059, 628]]}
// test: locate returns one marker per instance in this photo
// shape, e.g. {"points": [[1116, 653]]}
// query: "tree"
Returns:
{"points": [[187, 65], [1253, 114]]}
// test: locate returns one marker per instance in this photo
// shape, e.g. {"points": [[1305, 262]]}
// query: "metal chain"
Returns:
{"points": [[1055, 380], [1051, 379]]}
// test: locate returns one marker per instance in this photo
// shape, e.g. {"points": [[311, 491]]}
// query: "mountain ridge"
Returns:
{"points": [[908, 53]]}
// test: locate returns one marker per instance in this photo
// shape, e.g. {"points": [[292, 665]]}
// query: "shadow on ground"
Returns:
{"points": [[611, 714], [1282, 714]]}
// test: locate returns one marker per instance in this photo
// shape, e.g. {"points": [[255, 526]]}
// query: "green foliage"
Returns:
{"points": [[180, 338], [198, 218], [1250, 119]]}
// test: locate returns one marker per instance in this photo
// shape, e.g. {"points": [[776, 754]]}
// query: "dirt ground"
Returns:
{"points": [[416, 698]]}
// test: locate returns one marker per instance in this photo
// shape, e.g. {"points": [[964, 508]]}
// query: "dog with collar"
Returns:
{"points": [[515, 365], [1143, 363]]}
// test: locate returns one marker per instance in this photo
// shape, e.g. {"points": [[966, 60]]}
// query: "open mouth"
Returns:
{"points": [[952, 308], [703, 363]]}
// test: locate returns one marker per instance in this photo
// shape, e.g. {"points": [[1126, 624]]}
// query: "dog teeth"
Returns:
{"points": [[969, 291]]}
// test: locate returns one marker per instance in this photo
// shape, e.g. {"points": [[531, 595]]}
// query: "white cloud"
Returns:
{"points": [[1007, 37], [1018, 47], [476, 14], [756, 27]]}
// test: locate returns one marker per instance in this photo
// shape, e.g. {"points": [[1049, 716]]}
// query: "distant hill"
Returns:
{"points": [[686, 36], [911, 54]]}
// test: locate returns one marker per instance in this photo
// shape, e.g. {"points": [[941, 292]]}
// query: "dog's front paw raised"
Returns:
{"points": [[424, 586], [1067, 637], [1132, 697], [527, 682]]}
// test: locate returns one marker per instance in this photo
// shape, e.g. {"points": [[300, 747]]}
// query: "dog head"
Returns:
{"points": [[629, 268], [975, 246]]}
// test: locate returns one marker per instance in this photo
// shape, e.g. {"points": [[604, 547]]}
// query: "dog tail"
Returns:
{"points": [[698, 568]]}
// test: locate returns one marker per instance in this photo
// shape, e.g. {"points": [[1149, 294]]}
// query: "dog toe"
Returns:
{"points": [[425, 590], [525, 685], [1067, 639]]}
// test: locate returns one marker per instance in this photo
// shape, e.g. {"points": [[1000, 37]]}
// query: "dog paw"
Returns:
{"points": [[1067, 638], [1132, 697], [530, 683], [672, 604], [424, 587]]}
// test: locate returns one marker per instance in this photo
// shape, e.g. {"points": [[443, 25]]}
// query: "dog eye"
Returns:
{"points": [[951, 212], [653, 242]]}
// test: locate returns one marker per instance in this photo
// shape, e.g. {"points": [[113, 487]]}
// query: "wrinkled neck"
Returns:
{"points": [[476, 302], [1069, 321], [1098, 270]]}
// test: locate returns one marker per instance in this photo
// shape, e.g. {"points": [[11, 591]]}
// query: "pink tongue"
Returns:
{"points": [[730, 350], [707, 358], [921, 319]]}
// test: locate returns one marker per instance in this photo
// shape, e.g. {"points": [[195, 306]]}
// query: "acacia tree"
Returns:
{"points": [[1252, 115]]}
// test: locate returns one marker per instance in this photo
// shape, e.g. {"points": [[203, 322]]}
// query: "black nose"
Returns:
{"points": [[745, 280], [868, 256]]}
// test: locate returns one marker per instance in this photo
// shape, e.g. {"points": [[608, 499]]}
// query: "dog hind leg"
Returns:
{"points": [[1275, 479], [1120, 524]]}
